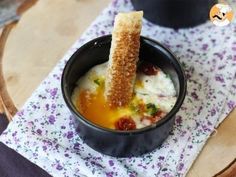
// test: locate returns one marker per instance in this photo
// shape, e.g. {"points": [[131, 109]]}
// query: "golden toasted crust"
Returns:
{"points": [[121, 71]]}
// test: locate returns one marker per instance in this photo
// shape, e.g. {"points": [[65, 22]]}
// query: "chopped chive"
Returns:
{"points": [[151, 109], [134, 108], [96, 81]]}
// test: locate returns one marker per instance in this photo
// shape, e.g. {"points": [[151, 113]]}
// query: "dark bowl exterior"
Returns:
{"points": [[175, 13], [113, 142]]}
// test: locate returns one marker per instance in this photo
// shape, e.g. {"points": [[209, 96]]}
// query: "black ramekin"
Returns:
{"points": [[175, 13], [113, 142]]}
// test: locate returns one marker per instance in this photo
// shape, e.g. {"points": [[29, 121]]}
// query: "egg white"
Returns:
{"points": [[157, 89]]}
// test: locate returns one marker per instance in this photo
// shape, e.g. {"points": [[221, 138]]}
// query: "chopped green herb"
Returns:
{"points": [[134, 108], [96, 81], [151, 109], [143, 94]]}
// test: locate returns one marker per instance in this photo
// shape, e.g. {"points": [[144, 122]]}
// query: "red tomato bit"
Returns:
{"points": [[158, 116], [148, 68], [125, 123]]}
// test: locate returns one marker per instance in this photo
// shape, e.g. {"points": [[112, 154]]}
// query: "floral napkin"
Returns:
{"points": [[43, 131]]}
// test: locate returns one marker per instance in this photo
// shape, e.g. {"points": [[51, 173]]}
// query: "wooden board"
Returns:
{"points": [[43, 36]]}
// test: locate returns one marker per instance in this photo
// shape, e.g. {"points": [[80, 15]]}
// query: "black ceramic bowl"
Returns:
{"points": [[114, 142], [175, 13]]}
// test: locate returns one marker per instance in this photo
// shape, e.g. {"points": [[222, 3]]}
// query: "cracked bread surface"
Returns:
{"points": [[124, 53]]}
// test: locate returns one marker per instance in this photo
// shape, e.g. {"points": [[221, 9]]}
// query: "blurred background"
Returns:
{"points": [[8, 10]]}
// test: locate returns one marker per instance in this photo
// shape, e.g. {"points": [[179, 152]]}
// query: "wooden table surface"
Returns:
{"points": [[43, 36]]}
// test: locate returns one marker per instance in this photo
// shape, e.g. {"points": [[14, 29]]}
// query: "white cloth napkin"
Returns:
{"points": [[43, 130]]}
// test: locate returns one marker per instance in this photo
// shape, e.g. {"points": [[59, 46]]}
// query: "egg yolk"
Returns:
{"points": [[93, 106]]}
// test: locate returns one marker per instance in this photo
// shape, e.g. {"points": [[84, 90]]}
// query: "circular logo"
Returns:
{"points": [[221, 14]]}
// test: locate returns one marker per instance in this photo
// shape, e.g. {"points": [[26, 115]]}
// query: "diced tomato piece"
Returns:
{"points": [[125, 123], [158, 116], [148, 68]]}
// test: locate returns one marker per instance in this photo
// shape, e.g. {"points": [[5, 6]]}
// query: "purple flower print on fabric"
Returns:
{"points": [[46, 132]]}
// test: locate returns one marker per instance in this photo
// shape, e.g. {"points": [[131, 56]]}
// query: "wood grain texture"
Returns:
{"points": [[6, 100], [3, 118], [229, 171], [219, 151], [47, 31], [41, 38], [27, 4]]}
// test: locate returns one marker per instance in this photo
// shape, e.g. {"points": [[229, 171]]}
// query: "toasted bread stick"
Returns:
{"points": [[124, 52]]}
